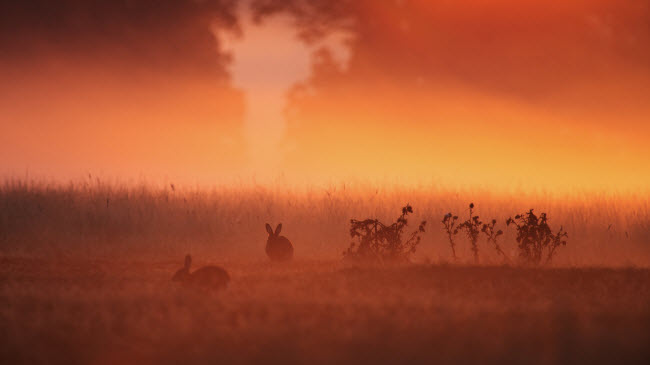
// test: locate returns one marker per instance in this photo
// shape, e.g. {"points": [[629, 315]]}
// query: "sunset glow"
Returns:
{"points": [[325, 182], [468, 94]]}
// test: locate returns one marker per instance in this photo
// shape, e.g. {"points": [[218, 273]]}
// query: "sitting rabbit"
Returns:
{"points": [[278, 248]]}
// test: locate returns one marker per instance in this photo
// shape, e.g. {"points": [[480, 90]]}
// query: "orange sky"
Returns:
{"points": [[538, 93]]}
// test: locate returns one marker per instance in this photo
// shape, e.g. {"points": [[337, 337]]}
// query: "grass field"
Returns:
{"points": [[85, 279], [96, 219], [321, 312]]}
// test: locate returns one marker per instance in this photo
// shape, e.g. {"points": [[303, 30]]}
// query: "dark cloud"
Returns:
{"points": [[525, 49], [119, 82], [426, 76], [170, 35]]}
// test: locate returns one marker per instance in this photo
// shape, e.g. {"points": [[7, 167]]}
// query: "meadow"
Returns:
{"points": [[85, 274]]}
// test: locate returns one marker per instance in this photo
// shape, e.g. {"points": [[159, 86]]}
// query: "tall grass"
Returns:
{"points": [[103, 219]]}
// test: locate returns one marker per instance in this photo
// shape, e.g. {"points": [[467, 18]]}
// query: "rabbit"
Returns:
{"points": [[278, 248], [209, 277]]}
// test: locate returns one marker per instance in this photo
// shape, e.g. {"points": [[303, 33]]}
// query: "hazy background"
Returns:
{"points": [[499, 93], [135, 132]]}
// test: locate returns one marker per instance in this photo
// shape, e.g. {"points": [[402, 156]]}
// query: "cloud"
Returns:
{"points": [[168, 35], [124, 86], [525, 49], [458, 86]]}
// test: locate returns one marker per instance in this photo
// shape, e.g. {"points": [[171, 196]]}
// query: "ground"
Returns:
{"points": [[320, 312]]}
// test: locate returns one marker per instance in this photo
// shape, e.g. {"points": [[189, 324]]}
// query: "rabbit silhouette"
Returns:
{"points": [[278, 248], [211, 277]]}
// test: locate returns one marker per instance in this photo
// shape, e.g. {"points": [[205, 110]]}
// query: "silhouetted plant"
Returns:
{"points": [[449, 222], [492, 237], [472, 227], [535, 237], [378, 241]]}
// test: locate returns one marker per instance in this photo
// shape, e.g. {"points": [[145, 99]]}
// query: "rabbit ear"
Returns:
{"points": [[188, 261], [269, 229], [278, 229]]}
